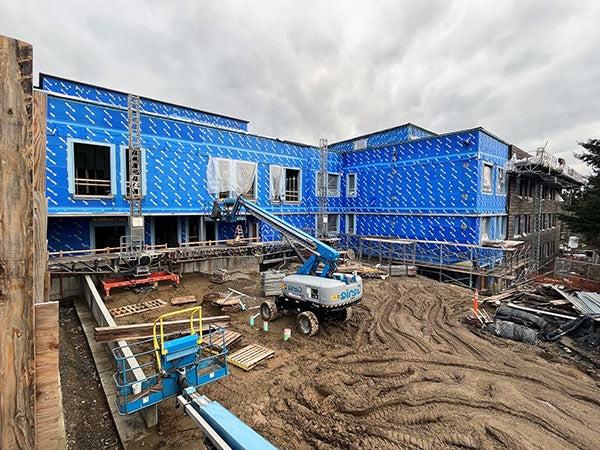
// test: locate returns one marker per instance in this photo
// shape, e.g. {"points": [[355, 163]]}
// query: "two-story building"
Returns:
{"points": [[403, 183]]}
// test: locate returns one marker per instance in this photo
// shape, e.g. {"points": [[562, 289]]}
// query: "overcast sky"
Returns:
{"points": [[528, 71]]}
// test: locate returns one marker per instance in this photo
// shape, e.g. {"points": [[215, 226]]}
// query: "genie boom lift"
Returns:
{"points": [[316, 292]]}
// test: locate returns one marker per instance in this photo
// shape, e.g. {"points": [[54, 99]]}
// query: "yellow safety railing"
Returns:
{"points": [[158, 333]]}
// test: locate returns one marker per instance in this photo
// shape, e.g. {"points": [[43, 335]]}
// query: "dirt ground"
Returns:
{"points": [[88, 422], [403, 372]]}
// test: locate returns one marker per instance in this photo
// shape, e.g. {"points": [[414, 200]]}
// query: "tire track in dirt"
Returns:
{"points": [[404, 372]]}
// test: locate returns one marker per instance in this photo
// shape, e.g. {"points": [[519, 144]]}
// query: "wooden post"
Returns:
{"points": [[41, 277], [17, 426], [49, 426]]}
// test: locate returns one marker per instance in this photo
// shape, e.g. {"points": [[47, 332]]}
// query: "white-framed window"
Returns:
{"points": [[351, 185], [124, 163], [330, 223], [276, 184], [487, 178], [91, 169], [250, 194], [285, 184], [351, 224], [333, 184], [501, 182], [485, 229], [501, 227], [293, 185], [231, 177]]}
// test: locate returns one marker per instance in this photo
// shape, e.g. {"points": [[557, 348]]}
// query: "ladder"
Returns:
{"points": [[134, 181], [322, 182]]}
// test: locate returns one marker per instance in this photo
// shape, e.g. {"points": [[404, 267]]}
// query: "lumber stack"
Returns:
{"points": [[402, 270], [184, 300], [144, 330]]}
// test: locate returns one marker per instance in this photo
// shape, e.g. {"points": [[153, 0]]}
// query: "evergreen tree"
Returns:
{"points": [[583, 215]]}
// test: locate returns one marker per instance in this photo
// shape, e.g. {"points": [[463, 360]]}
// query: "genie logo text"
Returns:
{"points": [[348, 294]]}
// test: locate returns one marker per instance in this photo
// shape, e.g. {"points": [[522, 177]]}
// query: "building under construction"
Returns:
{"points": [[401, 194], [106, 194]]}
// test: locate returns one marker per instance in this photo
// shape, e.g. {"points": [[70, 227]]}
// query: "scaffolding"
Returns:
{"points": [[134, 179], [549, 170], [110, 260], [322, 187], [492, 267]]}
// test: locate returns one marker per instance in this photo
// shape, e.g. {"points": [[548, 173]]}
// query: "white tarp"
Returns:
{"points": [[230, 175], [277, 183], [487, 178]]}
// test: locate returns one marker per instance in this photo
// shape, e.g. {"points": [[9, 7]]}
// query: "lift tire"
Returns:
{"points": [[268, 310], [308, 324], [343, 314]]}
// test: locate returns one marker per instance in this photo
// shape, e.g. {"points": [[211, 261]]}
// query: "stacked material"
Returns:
{"points": [[363, 270], [584, 302], [402, 271], [533, 312], [270, 282]]}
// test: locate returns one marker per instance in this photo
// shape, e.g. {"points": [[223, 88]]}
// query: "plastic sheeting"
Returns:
{"points": [[520, 317], [277, 184], [230, 175], [514, 331]]}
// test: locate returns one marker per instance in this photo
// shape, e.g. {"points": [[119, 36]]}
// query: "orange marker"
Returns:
{"points": [[476, 302]]}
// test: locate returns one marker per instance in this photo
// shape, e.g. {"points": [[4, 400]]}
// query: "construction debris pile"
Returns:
{"points": [[545, 312]]}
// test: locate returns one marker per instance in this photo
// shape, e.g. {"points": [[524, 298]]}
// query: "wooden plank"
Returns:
{"points": [[248, 357], [137, 330], [47, 411], [230, 337], [40, 203], [133, 335], [183, 300], [17, 418], [136, 308]]}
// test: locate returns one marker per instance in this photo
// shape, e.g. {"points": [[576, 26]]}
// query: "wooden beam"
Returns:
{"points": [[142, 330], [40, 203], [47, 381], [17, 422]]}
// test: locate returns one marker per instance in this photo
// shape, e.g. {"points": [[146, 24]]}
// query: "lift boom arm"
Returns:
{"points": [[321, 252]]}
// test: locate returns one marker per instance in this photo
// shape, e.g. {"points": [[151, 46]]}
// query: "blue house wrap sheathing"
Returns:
{"points": [[404, 182]]}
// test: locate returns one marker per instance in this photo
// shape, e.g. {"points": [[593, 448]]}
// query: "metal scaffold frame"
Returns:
{"points": [[460, 263], [109, 260], [134, 191], [322, 186], [546, 169]]}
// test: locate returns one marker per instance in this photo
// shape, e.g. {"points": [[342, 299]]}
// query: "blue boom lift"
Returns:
{"points": [[316, 292], [182, 364]]}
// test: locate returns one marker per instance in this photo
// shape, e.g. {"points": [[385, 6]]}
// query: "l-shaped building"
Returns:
{"points": [[405, 189]]}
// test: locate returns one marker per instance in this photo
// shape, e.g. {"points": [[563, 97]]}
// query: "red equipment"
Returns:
{"points": [[155, 277]]}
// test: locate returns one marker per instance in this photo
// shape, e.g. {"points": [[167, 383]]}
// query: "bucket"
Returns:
{"points": [[265, 326], [287, 333]]}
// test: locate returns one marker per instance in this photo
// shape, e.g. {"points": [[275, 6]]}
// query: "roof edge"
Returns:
{"points": [[42, 75]]}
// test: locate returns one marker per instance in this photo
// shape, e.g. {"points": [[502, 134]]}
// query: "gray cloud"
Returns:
{"points": [[527, 71]]}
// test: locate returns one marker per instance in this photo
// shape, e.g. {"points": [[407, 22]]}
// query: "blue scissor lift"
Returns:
{"points": [[179, 366]]}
